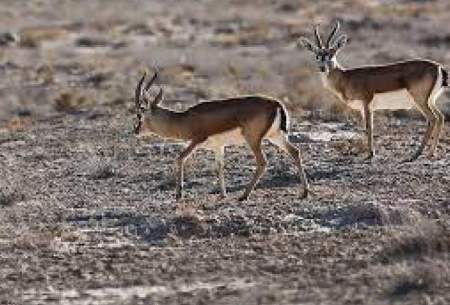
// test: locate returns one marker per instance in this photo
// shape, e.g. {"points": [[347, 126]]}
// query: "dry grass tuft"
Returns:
{"points": [[103, 171], [379, 215], [45, 74], [188, 222], [350, 147], [425, 238], [33, 37], [420, 277], [9, 196], [18, 123], [72, 101], [30, 240], [244, 35], [307, 93]]}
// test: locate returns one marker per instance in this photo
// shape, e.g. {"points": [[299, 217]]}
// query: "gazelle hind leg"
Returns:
{"points": [[219, 156], [439, 123], [281, 140], [421, 102]]}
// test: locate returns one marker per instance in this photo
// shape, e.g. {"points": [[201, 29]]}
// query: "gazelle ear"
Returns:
{"points": [[158, 98], [340, 43], [307, 44]]}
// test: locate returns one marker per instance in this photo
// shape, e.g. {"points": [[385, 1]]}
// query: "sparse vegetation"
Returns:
{"points": [[9, 196], [87, 210], [421, 239], [73, 101], [103, 171]]}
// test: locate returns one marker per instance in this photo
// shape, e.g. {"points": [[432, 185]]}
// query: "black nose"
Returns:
{"points": [[322, 69]]}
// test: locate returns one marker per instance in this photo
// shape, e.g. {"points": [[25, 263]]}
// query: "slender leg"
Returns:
{"points": [[219, 155], [180, 166], [261, 164], [281, 140], [437, 129], [422, 105], [368, 122]]}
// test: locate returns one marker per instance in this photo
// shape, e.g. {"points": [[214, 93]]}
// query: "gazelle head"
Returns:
{"points": [[325, 53], [142, 102]]}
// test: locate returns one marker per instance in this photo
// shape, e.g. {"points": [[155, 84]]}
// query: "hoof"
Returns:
{"points": [[222, 196], [243, 198], [304, 194], [370, 156]]}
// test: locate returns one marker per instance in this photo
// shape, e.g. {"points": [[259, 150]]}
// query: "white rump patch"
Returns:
{"points": [[275, 128]]}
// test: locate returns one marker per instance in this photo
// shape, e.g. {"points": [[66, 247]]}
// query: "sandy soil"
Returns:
{"points": [[87, 210]]}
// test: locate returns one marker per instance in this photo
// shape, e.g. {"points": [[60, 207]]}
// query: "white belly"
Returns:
{"points": [[393, 100], [235, 137], [231, 137]]}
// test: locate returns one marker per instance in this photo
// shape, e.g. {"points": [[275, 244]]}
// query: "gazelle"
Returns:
{"points": [[216, 124], [399, 85]]}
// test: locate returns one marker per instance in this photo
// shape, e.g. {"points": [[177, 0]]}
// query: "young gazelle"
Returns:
{"points": [[399, 85], [216, 124]]}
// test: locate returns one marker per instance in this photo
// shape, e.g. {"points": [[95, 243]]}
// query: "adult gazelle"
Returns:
{"points": [[216, 124], [398, 85]]}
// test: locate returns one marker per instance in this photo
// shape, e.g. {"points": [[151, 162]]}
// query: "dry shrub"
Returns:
{"points": [[72, 101], [7, 39], [423, 239], [352, 146], [419, 277], [187, 212], [138, 28], [18, 123], [10, 195], [379, 215], [32, 37], [308, 93], [188, 222], [252, 34], [30, 240], [178, 73], [103, 171], [6, 137], [45, 74]]}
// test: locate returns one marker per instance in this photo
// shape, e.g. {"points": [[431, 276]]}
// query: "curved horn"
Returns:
{"points": [[149, 84], [317, 35], [333, 34], [138, 91]]}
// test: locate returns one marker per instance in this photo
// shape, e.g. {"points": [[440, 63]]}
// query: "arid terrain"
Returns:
{"points": [[87, 210]]}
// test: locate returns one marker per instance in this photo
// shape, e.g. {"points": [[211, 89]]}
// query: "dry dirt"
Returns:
{"points": [[87, 210]]}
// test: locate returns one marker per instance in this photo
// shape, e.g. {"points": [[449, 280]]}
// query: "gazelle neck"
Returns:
{"points": [[331, 77], [166, 123]]}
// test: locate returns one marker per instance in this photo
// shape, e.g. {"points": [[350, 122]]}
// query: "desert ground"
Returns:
{"points": [[88, 212]]}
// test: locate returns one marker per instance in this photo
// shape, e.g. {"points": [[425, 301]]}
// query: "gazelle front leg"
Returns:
{"points": [[368, 122], [219, 156], [180, 167]]}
